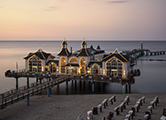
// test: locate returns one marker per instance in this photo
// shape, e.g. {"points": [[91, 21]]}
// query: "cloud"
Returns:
{"points": [[117, 1], [50, 8]]}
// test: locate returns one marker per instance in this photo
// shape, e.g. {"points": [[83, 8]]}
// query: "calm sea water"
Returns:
{"points": [[152, 79]]}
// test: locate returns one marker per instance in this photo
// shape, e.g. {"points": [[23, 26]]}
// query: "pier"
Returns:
{"points": [[52, 79]]}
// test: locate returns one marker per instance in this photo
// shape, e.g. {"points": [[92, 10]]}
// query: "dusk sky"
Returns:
{"points": [[83, 19]]}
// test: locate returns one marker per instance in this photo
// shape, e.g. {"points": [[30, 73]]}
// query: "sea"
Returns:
{"points": [[151, 81]]}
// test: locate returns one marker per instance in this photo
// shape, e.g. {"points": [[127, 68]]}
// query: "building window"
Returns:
{"points": [[83, 65], [63, 63], [114, 68], [35, 64], [73, 60]]}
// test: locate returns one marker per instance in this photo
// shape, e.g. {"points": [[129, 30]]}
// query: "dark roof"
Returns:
{"points": [[64, 42], [95, 62], [54, 61], [123, 58], [91, 47], [98, 52], [83, 52], [72, 64], [84, 43], [64, 52], [40, 53], [98, 47]]}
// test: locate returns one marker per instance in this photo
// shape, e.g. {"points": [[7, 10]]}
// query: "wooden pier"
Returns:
{"points": [[20, 93], [14, 96]]}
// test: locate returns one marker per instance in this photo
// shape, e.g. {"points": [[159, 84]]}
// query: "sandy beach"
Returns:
{"points": [[69, 107]]}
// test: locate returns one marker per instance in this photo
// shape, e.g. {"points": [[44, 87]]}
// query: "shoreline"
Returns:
{"points": [[69, 107]]}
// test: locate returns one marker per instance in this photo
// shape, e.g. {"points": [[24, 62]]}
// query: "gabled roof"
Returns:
{"points": [[83, 52], [98, 47], [123, 58], [83, 43], [64, 52], [54, 61], [64, 42], [40, 53]]}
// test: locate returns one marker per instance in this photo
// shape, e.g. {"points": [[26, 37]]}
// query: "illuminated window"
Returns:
{"points": [[83, 65], [34, 64], [63, 63], [73, 60], [114, 67]]}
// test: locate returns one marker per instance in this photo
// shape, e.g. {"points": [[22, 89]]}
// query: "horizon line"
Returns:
{"points": [[78, 40]]}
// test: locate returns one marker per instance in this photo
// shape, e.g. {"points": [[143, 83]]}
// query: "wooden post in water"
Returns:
{"points": [[48, 92], [129, 88], [27, 82], [40, 80], [17, 83], [126, 88], [93, 87], [28, 100], [123, 89], [66, 84], [75, 85], [37, 80]]}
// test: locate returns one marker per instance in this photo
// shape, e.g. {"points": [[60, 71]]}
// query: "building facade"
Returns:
{"points": [[84, 61]]}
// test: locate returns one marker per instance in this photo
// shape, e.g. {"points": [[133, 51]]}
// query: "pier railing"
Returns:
{"points": [[14, 95], [24, 73]]}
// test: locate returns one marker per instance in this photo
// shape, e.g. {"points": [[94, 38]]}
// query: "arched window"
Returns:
{"points": [[63, 63], [83, 65], [34, 64], [73, 60]]}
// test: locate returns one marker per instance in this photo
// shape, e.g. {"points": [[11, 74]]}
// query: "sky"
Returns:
{"points": [[82, 19]]}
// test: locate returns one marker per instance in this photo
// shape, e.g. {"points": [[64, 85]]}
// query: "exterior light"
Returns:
{"points": [[124, 72]]}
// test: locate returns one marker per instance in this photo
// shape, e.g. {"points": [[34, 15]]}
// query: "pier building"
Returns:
{"points": [[86, 61]]}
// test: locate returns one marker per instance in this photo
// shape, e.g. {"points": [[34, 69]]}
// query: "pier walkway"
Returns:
{"points": [[14, 96], [51, 79]]}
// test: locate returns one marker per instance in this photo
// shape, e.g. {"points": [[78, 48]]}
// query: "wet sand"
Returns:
{"points": [[69, 107]]}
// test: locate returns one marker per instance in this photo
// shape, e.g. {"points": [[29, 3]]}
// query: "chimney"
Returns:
{"points": [[71, 50]]}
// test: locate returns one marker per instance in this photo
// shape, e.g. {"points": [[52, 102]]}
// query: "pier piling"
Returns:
{"points": [[37, 80], [40, 80], [66, 84], [28, 100], [126, 88], [123, 89], [28, 82], [16, 83], [93, 87], [129, 88], [48, 92]]}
